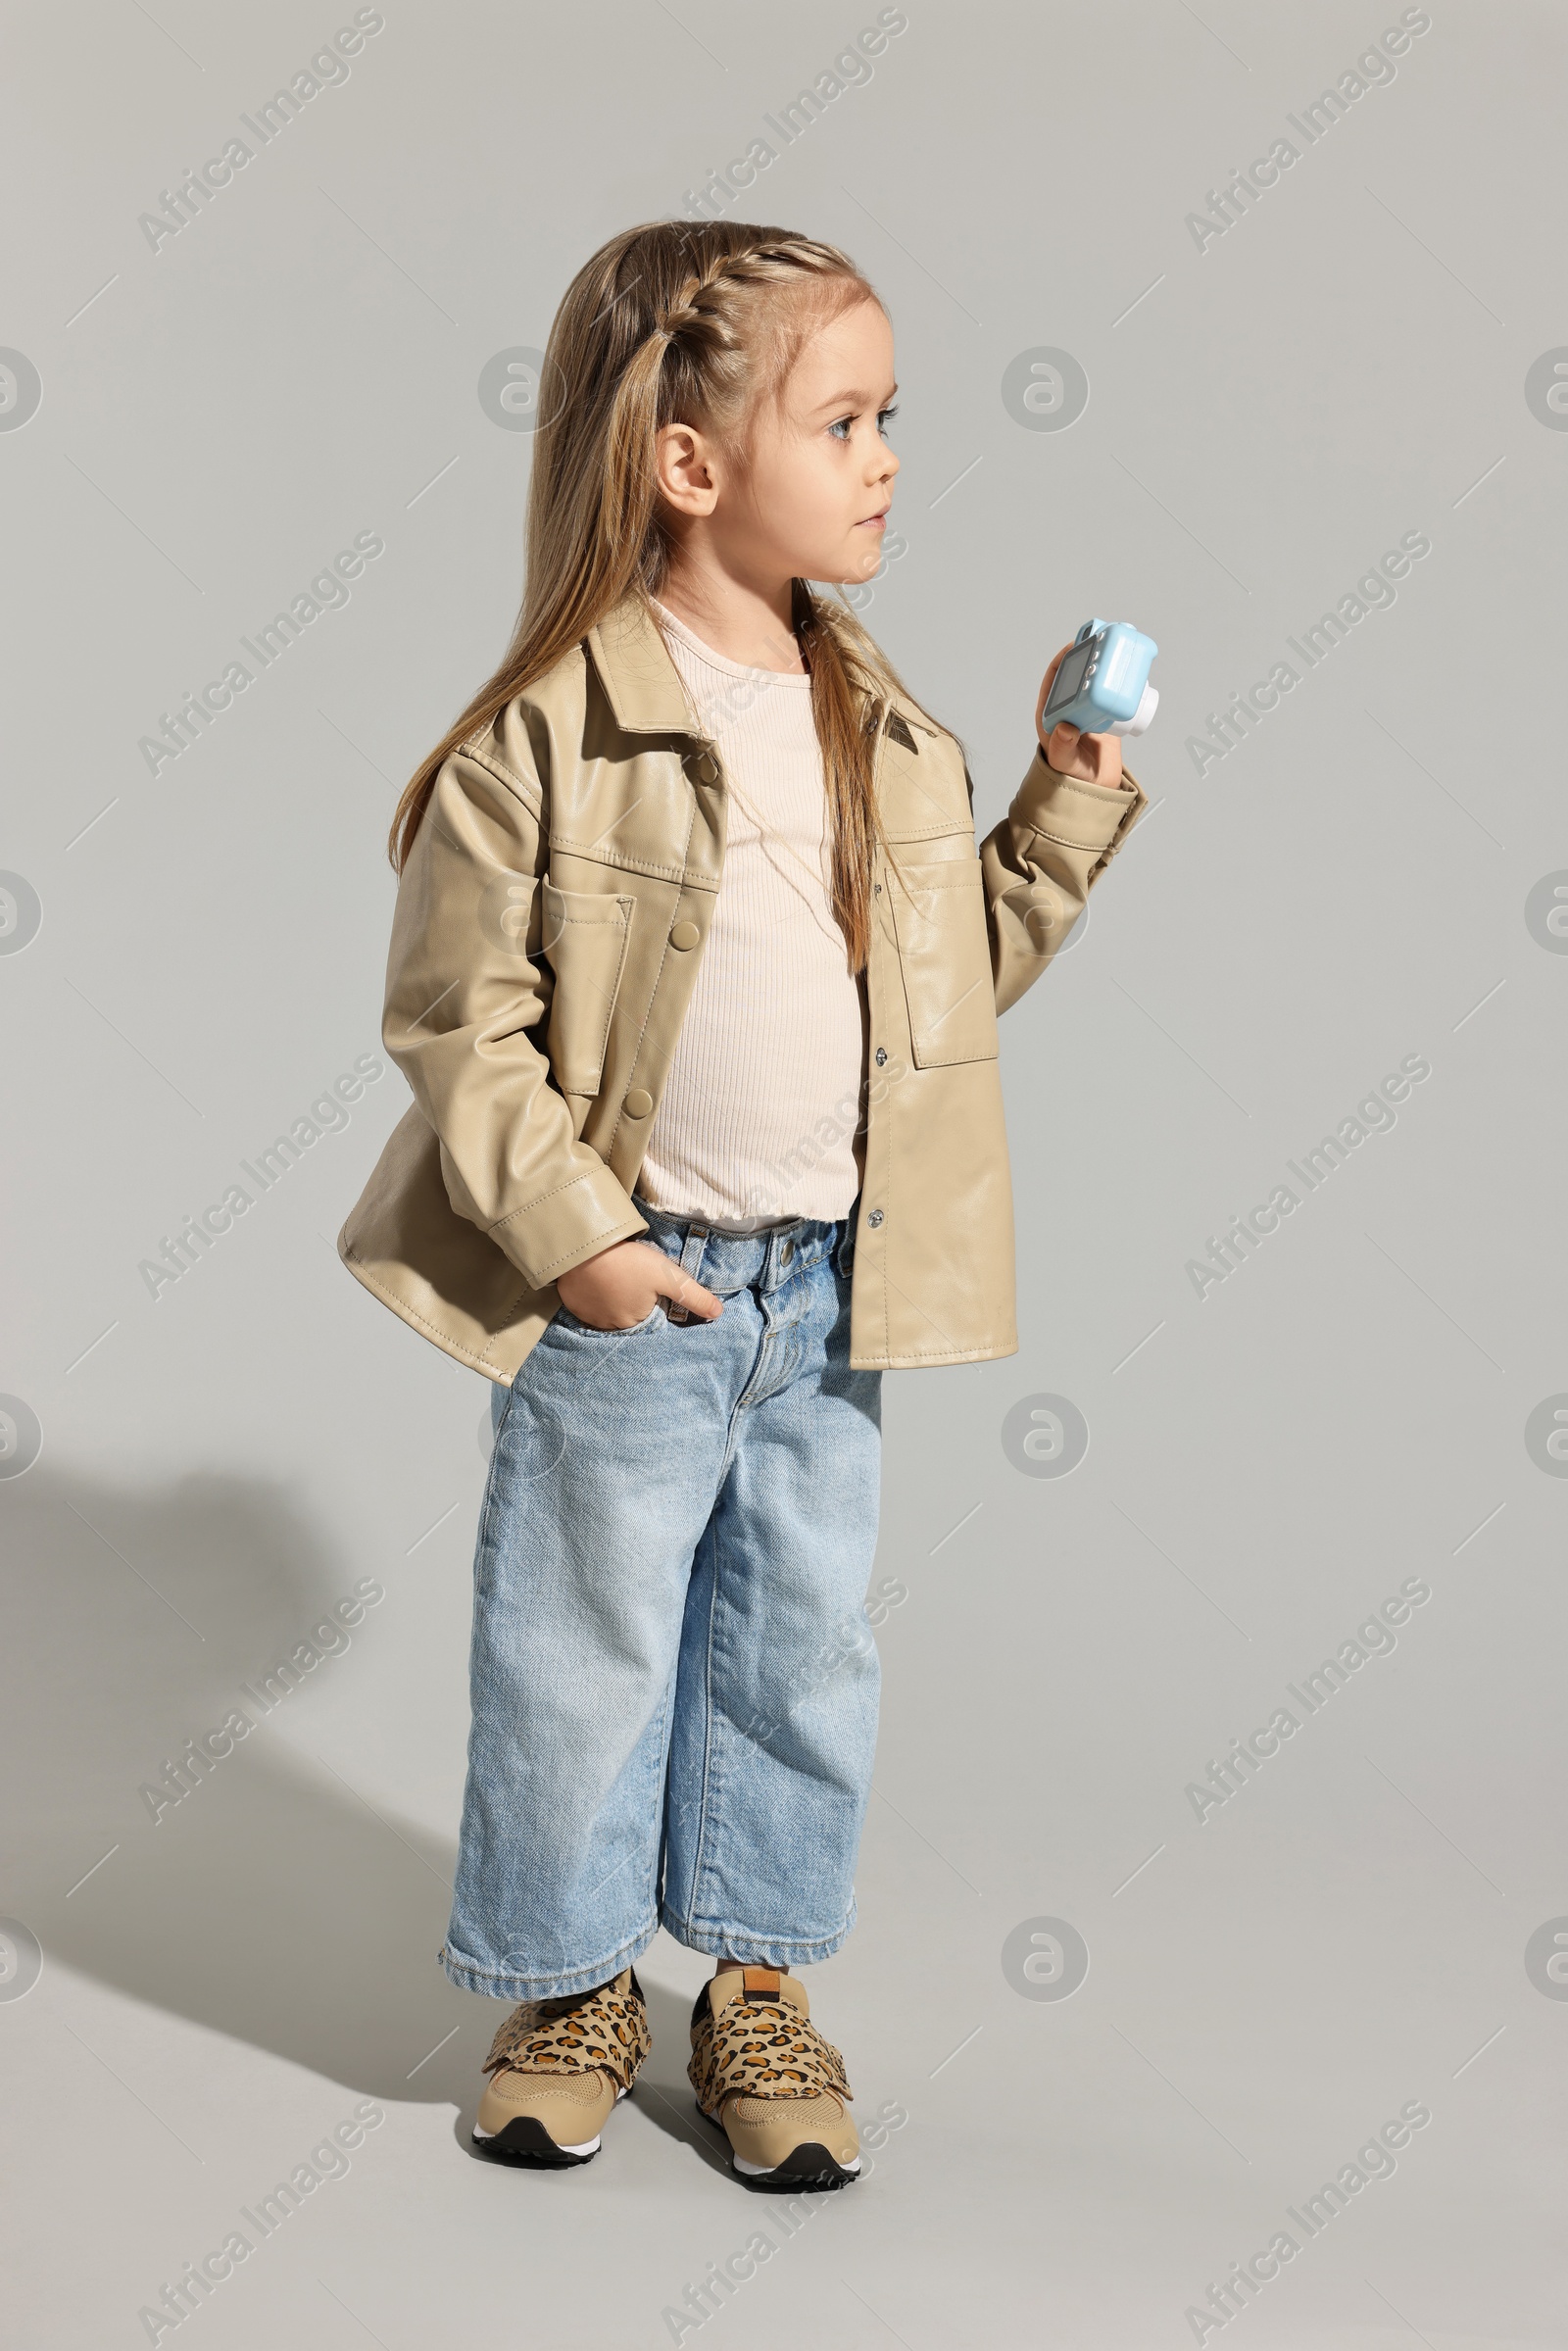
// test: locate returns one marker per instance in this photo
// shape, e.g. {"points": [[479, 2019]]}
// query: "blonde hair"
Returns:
{"points": [[694, 322]]}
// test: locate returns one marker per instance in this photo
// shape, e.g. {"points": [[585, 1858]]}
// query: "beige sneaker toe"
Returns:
{"points": [[543, 2119], [801, 2143]]}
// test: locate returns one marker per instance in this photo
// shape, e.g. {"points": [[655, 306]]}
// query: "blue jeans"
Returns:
{"points": [[674, 1680]]}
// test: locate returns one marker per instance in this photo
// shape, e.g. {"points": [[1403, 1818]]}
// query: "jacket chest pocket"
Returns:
{"points": [[583, 937], [938, 914]]}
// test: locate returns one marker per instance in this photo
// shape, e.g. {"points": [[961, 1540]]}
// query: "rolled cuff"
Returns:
{"points": [[1078, 814], [564, 1228]]}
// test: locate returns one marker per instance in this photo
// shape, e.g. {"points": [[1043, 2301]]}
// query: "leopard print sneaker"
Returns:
{"points": [[776, 2088], [557, 2069]]}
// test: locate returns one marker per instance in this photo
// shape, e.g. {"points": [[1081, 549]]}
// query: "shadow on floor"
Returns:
{"points": [[272, 1905]]}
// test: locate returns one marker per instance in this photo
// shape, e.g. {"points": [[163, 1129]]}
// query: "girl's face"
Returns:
{"points": [[811, 500]]}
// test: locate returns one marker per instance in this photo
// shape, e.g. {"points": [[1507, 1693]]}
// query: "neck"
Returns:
{"points": [[744, 620]]}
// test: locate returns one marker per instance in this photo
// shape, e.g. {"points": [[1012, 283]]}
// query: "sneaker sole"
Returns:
{"points": [[805, 2168], [526, 2142]]}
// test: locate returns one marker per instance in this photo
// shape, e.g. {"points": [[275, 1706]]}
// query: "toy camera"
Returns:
{"points": [[1102, 685]]}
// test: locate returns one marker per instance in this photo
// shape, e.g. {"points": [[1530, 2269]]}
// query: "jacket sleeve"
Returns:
{"points": [[1041, 863], [467, 993]]}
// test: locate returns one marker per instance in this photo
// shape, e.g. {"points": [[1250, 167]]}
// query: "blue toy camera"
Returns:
{"points": [[1102, 685]]}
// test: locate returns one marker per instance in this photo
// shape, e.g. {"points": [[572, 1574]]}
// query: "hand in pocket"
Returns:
{"points": [[624, 1283]]}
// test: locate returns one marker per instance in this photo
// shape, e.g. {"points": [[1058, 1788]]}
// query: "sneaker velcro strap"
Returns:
{"points": [[766, 2052], [607, 2032]]}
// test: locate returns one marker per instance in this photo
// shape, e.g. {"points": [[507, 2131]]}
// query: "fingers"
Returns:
{"points": [[618, 1289], [1090, 758], [1103, 755], [1063, 752], [672, 1282]]}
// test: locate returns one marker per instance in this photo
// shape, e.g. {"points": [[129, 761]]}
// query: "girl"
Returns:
{"points": [[695, 976]]}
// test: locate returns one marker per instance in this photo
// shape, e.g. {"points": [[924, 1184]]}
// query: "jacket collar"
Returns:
{"points": [[642, 684]]}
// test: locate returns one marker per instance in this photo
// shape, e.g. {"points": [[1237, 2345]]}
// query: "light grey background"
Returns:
{"points": [[1265, 1465]]}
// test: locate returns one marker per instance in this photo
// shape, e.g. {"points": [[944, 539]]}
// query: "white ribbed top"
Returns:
{"points": [[756, 1120]]}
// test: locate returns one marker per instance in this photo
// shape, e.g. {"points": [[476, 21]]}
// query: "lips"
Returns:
{"points": [[879, 517]]}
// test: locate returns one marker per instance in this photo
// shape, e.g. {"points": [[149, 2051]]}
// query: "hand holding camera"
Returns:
{"points": [[1096, 690]]}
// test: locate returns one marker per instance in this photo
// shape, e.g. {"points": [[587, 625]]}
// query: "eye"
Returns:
{"points": [[841, 428]]}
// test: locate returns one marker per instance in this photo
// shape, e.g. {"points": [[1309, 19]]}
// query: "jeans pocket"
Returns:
{"points": [[589, 1330]]}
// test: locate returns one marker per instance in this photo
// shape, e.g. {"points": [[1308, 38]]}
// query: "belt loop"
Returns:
{"points": [[691, 1257]]}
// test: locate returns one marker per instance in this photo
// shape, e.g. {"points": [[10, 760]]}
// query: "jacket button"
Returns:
{"points": [[639, 1101], [875, 1218], [685, 935], [706, 767], [881, 1054]]}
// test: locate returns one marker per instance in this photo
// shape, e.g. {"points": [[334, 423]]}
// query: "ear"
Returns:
{"points": [[686, 469]]}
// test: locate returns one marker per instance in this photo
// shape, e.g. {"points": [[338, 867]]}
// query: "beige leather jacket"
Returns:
{"points": [[548, 926]]}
